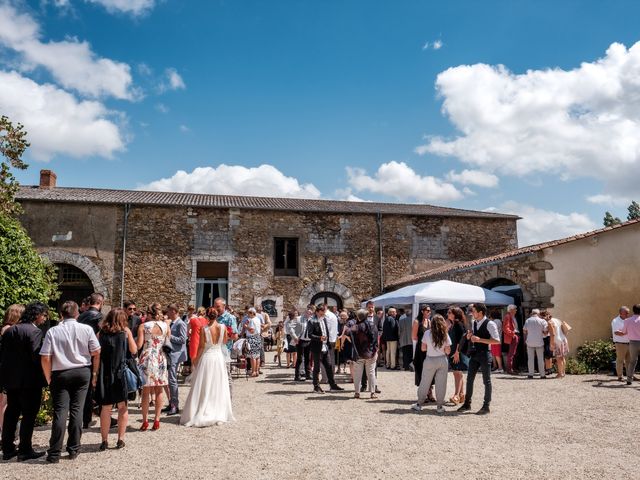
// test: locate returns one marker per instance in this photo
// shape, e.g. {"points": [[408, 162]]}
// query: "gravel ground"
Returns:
{"points": [[577, 427]]}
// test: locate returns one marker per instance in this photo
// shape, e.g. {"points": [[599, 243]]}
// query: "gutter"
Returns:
{"points": [[127, 209], [380, 259]]}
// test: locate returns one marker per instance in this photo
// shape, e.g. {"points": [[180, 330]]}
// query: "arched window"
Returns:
{"points": [[329, 298]]}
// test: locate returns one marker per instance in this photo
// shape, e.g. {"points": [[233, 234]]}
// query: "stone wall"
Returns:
{"points": [[164, 245]]}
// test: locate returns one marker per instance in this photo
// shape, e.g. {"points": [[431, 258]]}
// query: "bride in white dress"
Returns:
{"points": [[209, 400]]}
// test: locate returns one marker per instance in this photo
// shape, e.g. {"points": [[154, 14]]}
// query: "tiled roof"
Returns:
{"points": [[452, 267], [136, 197]]}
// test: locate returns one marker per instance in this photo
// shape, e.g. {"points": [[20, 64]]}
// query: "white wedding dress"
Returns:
{"points": [[209, 400]]}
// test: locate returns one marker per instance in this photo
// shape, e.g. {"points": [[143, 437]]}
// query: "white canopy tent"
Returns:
{"points": [[441, 292]]}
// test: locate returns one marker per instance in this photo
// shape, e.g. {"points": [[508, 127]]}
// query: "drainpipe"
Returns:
{"points": [[127, 208], [379, 220]]}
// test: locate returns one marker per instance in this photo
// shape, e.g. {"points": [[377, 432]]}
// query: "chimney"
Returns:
{"points": [[47, 179]]}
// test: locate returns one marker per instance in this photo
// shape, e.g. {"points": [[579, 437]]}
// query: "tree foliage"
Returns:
{"points": [[610, 220], [13, 143], [24, 276], [634, 211]]}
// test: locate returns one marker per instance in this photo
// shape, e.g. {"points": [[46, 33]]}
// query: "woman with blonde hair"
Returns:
{"points": [[111, 388], [11, 317], [151, 338]]}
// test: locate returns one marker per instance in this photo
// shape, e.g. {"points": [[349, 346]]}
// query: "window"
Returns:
{"points": [[212, 281], [330, 298], [286, 257]]}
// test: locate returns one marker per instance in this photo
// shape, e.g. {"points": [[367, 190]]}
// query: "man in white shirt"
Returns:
{"points": [[621, 341], [535, 328], [484, 333], [70, 356]]}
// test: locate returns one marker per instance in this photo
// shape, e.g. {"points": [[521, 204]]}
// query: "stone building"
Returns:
{"points": [[279, 252], [584, 278]]}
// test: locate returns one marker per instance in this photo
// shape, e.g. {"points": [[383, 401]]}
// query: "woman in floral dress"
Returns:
{"points": [[151, 338]]}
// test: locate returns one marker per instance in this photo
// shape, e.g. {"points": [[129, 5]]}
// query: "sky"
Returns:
{"points": [[522, 107]]}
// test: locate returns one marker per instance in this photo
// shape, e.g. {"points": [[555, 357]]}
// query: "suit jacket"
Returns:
{"points": [[178, 341], [91, 317], [20, 365], [134, 323], [314, 332]]}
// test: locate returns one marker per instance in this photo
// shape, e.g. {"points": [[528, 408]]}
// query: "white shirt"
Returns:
{"points": [[70, 345], [616, 325], [432, 350], [535, 327], [560, 337], [332, 325], [491, 327]]}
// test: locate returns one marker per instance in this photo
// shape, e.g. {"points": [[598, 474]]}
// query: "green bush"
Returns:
{"points": [[596, 355], [46, 409], [24, 276], [576, 367]]}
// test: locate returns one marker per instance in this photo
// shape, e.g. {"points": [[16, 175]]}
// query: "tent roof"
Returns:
{"points": [[442, 292]]}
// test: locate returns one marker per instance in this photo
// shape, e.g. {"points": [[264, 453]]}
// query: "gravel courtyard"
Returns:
{"points": [[578, 427]]}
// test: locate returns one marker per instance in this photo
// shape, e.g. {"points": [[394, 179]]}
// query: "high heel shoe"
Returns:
{"points": [[104, 445], [156, 425], [145, 426], [461, 398], [120, 444]]}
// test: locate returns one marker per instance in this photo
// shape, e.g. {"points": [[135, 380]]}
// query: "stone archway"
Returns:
{"points": [[326, 285], [83, 263]]}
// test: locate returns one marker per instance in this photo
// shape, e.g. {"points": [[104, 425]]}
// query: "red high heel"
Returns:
{"points": [[144, 426], [156, 425]]}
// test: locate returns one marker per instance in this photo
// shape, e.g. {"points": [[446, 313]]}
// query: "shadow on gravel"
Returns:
{"points": [[279, 381], [289, 392], [424, 412], [329, 398], [394, 402]]}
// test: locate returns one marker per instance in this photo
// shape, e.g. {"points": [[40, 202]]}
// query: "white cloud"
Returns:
{"points": [[265, 180], [538, 225], [133, 7], [473, 177], [162, 108], [184, 128], [610, 200], [435, 45], [571, 123], [71, 62], [175, 80], [398, 180], [57, 122]]}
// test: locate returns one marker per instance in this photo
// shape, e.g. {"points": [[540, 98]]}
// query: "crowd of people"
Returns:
{"points": [[94, 364]]}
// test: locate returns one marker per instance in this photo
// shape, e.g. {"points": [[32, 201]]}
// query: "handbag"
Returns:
{"points": [[565, 327], [132, 381]]}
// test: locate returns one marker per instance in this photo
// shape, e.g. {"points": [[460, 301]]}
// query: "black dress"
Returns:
{"points": [[419, 356], [457, 332], [111, 386]]}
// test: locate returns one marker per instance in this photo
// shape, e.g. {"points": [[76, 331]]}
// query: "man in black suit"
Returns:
{"points": [[92, 317], [23, 380], [132, 318], [318, 333]]}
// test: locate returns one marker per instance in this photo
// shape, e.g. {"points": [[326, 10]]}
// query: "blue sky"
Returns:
{"points": [[387, 101]]}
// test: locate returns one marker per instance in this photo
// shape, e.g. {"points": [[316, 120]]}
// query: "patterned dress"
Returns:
{"points": [[153, 361]]}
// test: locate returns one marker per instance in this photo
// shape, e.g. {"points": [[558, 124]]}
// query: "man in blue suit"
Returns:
{"points": [[176, 356]]}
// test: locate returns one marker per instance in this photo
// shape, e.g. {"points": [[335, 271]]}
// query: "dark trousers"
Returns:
{"points": [[69, 391], [87, 408], [25, 402], [323, 358], [407, 356], [303, 351], [479, 361]]}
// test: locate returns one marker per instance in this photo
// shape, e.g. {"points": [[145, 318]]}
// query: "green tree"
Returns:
{"points": [[610, 220], [24, 276], [13, 143], [634, 211]]}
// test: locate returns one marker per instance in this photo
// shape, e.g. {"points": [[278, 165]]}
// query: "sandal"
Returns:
{"points": [[455, 400], [373, 395], [461, 397], [357, 395]]}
